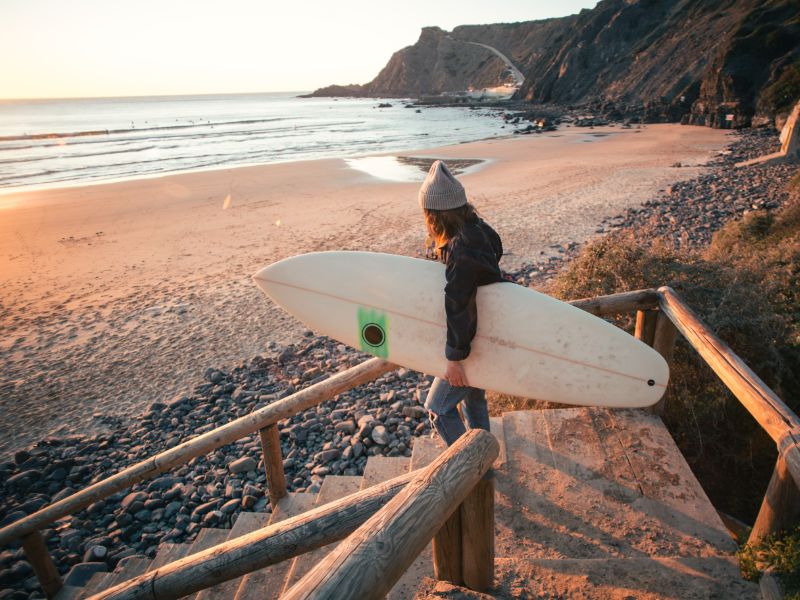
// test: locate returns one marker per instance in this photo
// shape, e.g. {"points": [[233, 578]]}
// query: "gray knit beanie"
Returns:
{"points": [[440, 190]]}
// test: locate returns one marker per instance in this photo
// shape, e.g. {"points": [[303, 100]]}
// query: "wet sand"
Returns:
{"points": [[118, 295]]}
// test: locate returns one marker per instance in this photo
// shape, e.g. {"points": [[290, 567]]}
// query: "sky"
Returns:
{"points": [[89, 48]]}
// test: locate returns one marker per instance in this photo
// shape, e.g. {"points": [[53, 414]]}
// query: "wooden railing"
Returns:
{"points": [[369, 562], [660, 316], [781, 505], [259, 420], [267, 546]]}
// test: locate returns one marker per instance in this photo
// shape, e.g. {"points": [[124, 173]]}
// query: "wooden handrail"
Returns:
{"points": [[777, 419], [278, 542], [369, 562], [767, 408], [614, 304], [198, 446]]}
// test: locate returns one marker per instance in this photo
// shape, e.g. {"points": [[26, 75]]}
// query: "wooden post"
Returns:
{"points": [[781, 505], [664, 336], [477, 535], [42, 563], [664, 343], [447, 551], [273, 463], [646, 325]]}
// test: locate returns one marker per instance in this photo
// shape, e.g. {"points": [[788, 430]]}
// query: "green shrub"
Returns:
{"points": [[779, 553]]}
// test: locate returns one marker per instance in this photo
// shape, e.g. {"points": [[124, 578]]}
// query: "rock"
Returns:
{"points": [[80, 574], [13, 516], [95, 554], [21, 456], [243, 465], [346, 427], [328, 455], [205, 507], [230, 506], [414, 412], [212, 517], [133, 498], [24, 478], [163, 483], [380, 435]]}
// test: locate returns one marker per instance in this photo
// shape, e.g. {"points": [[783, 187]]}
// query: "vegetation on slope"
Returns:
{"points": [[744, 285]]}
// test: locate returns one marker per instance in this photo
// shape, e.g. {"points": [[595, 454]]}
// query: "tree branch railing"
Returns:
{"points": [[660, 315]]}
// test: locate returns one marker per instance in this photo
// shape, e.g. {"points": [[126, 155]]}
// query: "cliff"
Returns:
{"points": [[689, 60]]}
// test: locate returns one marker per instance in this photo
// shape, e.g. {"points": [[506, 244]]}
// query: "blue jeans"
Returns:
{"points": [[442, 404]]}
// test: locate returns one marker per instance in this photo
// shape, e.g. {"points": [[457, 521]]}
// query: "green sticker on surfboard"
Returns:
{"points": [[373, 328]]}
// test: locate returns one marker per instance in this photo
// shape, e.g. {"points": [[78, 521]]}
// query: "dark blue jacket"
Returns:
{"points": [[471, 259]]}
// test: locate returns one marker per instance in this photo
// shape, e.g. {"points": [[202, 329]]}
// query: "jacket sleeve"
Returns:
{"points": [[459, 302]]}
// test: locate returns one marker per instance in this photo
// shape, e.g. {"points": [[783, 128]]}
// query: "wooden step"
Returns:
{"points": [[207, 538], [382, 468], [333, 488], [432, 589], [684, 578], [496, 427], [167, 553], [245, 523], [600, 483], [98, 582], [128, 568], [70, 592], [267, 583], [425, 451]]}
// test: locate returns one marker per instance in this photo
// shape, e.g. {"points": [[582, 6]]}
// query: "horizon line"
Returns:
{"points": [[155, 95]]}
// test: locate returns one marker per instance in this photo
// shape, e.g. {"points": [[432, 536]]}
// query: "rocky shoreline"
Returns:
{"points": [[380, 418], [688, 213]]}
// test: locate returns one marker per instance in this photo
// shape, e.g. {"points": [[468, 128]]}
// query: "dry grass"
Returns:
{"points": [[745, 287]]}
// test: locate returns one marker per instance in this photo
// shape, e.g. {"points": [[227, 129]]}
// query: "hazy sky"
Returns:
{"points": [[76, 48]]}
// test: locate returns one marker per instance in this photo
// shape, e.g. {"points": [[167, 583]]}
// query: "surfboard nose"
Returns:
{"points": [[267, 277]]}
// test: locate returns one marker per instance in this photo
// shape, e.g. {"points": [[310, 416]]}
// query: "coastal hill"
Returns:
{"points": [[730, 63]]}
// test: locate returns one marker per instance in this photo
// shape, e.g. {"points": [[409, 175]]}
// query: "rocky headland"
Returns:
{"points": [[722, 64]]}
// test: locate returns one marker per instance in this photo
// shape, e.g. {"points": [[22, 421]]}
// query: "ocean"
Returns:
{"points": [[56, 143]]}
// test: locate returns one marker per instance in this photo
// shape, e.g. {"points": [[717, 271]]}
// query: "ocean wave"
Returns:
{"points": [[93, 132], [245, 133]]}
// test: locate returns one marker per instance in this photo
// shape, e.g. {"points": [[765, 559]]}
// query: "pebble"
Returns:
{"points": [[244, 464]]}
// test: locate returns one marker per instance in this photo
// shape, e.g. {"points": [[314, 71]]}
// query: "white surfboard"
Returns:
{"points": [[527, 343]]}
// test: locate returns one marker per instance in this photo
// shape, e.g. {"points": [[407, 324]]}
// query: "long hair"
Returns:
{"points": [[444, 225]]}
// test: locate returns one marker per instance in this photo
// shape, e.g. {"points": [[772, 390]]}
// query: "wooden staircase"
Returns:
{"points": [[590, 503]]}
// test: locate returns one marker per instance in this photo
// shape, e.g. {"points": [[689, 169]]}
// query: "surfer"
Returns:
{"points": [[470, 250]]}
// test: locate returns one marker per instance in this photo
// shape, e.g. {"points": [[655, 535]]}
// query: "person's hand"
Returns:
{"points": [[454, 374]]}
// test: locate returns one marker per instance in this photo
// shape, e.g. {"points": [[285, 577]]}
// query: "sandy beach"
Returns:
{"points": [[118, 295]]}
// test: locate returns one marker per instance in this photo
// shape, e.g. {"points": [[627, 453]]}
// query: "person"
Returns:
{"points": [[471, 251]]}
